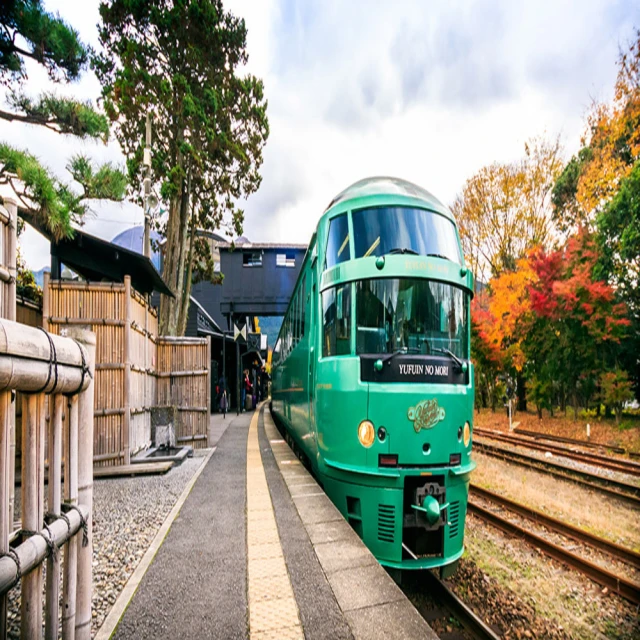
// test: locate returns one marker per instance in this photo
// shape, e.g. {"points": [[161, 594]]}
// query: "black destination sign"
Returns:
{"points": [[411, 368]]}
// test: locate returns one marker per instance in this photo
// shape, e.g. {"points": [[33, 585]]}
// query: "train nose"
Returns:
{"points": [[421, 429]]}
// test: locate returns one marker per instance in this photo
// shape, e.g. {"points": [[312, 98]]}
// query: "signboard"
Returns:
{"points": [[412, 368], [253, 341], [239, 332]]}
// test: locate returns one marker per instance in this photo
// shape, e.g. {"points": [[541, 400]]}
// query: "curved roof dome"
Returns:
{"points": [[133, 239], [378, 185]]}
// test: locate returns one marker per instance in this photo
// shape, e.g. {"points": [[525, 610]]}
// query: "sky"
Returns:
{"points": [[426, 90]]}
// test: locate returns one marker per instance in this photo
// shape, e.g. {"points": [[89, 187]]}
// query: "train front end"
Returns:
{"points": [[394, 384]]}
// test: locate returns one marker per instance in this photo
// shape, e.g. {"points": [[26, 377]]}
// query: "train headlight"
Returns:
{"points": [[467, 433], [366, 433]]}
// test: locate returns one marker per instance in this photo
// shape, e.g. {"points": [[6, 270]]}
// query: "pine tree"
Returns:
{"points": [[29, 32]]}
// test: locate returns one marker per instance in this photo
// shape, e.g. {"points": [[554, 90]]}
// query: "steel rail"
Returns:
{"points": [[623, 587], [611, 548], [539, 435], [568, 473], [623, 466], [464, 614]]}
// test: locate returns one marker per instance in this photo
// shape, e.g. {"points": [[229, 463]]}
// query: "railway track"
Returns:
{"points": [[615, 464], [472, 624], [588, 444], [617, 584], [558, 526], [621, 490]]}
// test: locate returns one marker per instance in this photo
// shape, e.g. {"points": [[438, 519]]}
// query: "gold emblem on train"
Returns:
{"points": [[425, 415]]}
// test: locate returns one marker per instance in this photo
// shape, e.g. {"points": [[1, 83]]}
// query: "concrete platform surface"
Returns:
{"points": [[258, 551]]}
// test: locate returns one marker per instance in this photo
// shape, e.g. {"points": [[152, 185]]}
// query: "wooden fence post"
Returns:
{"points": [[209, 381], [45, 302], [6, 517], [85, 485], [11, 257], [31, 603], [69, 578], [126, 420], [54, 499]]}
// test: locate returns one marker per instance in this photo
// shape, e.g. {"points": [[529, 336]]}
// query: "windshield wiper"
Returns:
{"points": [[452, 355], [403, 251], [437, 255], [401, 350]]}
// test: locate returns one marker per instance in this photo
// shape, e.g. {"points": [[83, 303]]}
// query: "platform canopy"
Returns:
{"points": [[99, 260]]}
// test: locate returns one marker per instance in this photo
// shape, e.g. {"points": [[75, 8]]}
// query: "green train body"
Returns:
{"points": [[377, 336]]}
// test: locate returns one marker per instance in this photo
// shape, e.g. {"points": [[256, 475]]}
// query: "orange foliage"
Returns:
{"points": [[613, 136], [498, 316]]}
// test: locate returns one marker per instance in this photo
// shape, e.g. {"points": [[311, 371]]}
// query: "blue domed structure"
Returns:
{"points": [[133, 239]]}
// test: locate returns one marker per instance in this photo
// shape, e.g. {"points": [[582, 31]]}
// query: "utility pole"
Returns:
{"points": [[147, 190]]}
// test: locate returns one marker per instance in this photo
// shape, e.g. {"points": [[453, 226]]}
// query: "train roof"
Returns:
{"points": [[389, 186]]}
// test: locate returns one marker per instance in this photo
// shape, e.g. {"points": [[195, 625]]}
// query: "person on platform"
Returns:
{"points": [[223, 402], [246, 388]]}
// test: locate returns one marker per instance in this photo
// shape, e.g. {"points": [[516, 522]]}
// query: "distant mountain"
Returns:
{"points": [[271, 326], [39, 275]]}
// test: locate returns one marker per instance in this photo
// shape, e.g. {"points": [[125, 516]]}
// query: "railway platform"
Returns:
{"points": [[258, 551]]}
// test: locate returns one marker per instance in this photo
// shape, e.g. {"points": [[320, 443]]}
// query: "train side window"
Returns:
{"points": [[338, 245], [303, 308], [275, 358], [298, 316], [336, 307]]}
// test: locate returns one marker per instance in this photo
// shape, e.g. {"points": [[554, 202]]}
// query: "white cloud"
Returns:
{"points": [[428, 91]]}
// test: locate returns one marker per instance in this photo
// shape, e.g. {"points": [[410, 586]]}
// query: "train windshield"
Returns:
{"points": [[381, 230], [421, 316]]}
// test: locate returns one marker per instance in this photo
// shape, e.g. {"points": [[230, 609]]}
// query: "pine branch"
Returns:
{"points": [[50, 204], [51, 42], [62, 115]]}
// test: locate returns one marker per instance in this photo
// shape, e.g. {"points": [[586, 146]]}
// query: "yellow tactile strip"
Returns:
{"points": [[273, 612]]}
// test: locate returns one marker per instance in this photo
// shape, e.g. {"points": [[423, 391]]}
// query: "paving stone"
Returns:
{"points": [[364, 587], [343, 554], [393, 621]]}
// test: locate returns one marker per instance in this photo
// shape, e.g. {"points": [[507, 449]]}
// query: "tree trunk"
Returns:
{"points": [[186, 298], [539, 410], [174, 264], [522, 392]]}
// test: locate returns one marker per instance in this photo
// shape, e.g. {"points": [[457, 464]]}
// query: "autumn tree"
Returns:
{"points": [[29, 32], [181, 61], [504, 210], [579, 323], [498, 322], [611, 148]]}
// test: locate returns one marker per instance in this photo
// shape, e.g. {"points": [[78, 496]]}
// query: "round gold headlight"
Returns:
{"points": [[467, 433], [366, 433]]}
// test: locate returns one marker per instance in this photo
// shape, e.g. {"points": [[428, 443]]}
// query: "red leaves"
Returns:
{"points": [[567, 289]]}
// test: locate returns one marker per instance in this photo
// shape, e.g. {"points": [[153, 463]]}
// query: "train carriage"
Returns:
{"points": [[371, 370]]}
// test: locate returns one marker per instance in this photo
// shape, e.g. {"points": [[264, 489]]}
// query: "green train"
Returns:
{"points": [[371, 372]]}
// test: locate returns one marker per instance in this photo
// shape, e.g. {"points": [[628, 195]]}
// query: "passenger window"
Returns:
{"points": [[336, 306], [303, 312], [338, 245]]}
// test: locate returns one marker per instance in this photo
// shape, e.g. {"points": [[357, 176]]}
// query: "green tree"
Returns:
{"points": [[181, 62], [618, 229], [616, 390], [27, 31]]}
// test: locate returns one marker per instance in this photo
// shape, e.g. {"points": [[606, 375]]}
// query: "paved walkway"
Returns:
{"points": [[245, 559]]}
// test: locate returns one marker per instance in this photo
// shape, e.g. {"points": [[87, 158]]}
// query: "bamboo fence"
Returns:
{"points": [[184, 381], [29, 313], [134, 368], [8, 272], [37, 363]]}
